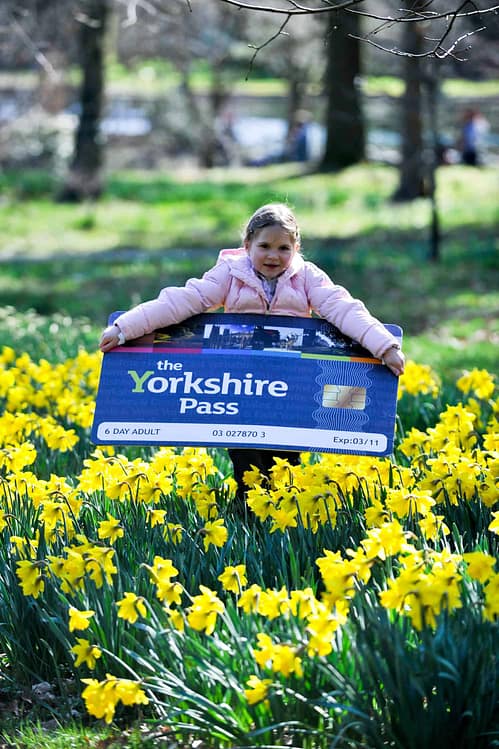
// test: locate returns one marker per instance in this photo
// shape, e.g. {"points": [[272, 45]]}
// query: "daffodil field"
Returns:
{"points": [[353, 602]]}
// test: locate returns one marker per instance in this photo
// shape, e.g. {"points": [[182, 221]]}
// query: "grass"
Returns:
{"points": [[32, 736], [208, 209], [452, 87]]}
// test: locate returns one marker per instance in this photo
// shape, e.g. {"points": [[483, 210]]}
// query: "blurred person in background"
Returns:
{"points": [[474, 129]]}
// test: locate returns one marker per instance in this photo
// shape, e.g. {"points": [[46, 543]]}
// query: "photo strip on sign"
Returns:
{"points": [[242, 380]]}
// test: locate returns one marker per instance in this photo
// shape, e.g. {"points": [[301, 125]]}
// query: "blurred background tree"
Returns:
{"points": [[344, 120], [84, 178]]}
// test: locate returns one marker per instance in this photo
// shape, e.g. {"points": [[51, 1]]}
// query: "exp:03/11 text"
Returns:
{"points": [[360, 441]]}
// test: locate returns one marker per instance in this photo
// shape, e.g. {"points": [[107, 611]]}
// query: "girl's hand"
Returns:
{"points": [[394, 360], [110, 338]]}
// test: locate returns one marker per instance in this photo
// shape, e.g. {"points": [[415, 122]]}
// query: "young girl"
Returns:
{"points": [[267, 275]]}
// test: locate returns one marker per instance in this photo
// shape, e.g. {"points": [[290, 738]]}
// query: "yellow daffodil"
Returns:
{"points": [[169, 591], [259, 501], [418, 379], [257, 689], [110, 528], [282, 470], [488, 491], [214, 533], [155, 486], [250, 598], [233, 579], [376, 513], [79, 619], [252, 476], [156, 517], [99, 564], [480, 565], [86, 653], [31, 577], [101, 698], [273, 603], [281, 520], [263, 655], [176, 618], [494, 525], [162, 570], [361, 564], [173, 532], [415, 443], [130, 692], [491, 592], [73, 572], [303, 603], [281, 658], [479, 381], [433, 525], [491, 439], [414, 502], [131, 607], [204, 610], [321, 627], [285, 661], [384, 541]]}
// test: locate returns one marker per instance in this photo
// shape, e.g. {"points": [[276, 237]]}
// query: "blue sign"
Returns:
{"points": [[238, 380]]}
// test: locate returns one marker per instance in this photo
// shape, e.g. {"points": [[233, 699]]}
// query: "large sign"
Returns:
{"points": [[237, 380]]}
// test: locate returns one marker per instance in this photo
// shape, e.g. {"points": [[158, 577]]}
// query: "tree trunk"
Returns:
{"points": [[84, 180], [432, 85], [412, 164], [211, 147], [296, 96], [345, 138]]}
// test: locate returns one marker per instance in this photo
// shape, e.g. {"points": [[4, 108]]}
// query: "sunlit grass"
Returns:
{"points": [[155, 77], [152, 76], [455, 346], [70, 737], [207, 209], [452, 87]]}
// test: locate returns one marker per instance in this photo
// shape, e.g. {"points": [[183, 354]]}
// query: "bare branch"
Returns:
{"points": [[38, 55], [295, 9], [131, 8], [422, 13], [450, 51], [388, 24], [436, 51], [449, 26], [265, 44], [416, 17], [131, 17]]}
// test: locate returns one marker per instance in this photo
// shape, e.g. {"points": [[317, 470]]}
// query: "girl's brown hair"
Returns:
{"points": [[272, 214]]}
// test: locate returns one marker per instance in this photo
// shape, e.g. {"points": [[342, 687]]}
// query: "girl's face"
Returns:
{"points": [[271, 250]]}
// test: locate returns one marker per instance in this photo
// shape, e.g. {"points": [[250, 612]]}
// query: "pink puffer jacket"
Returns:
{"points": [[233, 285]]}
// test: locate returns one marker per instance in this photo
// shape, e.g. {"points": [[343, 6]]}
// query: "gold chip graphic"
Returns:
{"points": [[343, 396]]}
